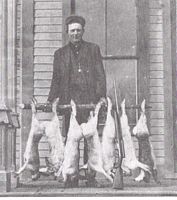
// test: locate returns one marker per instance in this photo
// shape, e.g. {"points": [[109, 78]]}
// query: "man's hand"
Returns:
{"points": [[103, 100], [47, 107]]}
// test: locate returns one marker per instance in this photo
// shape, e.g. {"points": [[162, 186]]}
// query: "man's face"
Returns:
{"points": [[75, 32]]}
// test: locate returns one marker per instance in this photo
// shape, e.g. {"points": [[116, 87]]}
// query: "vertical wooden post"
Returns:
{"points": [[11, 26], [27, 72], [7, 91], [8, 124], [174, 78], [143, 50], [4, 176], [169, 70], [6, 150], [3, 53]]}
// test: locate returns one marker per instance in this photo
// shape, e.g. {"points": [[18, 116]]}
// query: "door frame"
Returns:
{"points": [[170, 137]]}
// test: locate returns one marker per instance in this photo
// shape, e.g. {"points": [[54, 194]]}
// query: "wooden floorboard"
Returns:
{"points": [[46, 186]]}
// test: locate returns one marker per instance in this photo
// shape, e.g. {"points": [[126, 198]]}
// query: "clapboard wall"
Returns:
{"points": [[18, 68], [156, 87], [47, 38]]}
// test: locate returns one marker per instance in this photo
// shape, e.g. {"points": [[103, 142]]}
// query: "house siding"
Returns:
{"points": [[47, 39], [156, 76], [18, 68]]}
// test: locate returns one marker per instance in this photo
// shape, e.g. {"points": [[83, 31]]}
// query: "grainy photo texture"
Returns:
{"points": [[88, 98]]}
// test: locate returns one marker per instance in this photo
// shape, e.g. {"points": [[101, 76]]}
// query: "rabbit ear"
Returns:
{"points": [[91, 114], [143, 105], [72, 103], [97, 107], [55, 101], [73, 107], [34, 100], [54, 105], [33, 103], [109, 103], [123, 105]]}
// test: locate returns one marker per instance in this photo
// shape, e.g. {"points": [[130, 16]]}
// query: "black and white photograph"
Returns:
{"points": [[88, 98]]}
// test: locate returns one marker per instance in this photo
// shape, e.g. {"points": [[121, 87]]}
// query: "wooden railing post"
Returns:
{"points": [[8, 125], [8, 120]]}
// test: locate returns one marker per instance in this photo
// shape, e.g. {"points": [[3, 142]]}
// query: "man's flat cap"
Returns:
{"points": [[75, 19]]}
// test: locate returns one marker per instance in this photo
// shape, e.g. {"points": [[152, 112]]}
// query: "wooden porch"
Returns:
{"points": [[46, 186]]}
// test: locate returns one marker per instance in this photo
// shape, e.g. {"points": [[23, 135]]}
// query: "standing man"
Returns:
{"points": [[78, 72]]}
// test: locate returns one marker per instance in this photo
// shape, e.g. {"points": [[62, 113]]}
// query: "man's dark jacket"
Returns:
{"points": [[92, 69]]}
